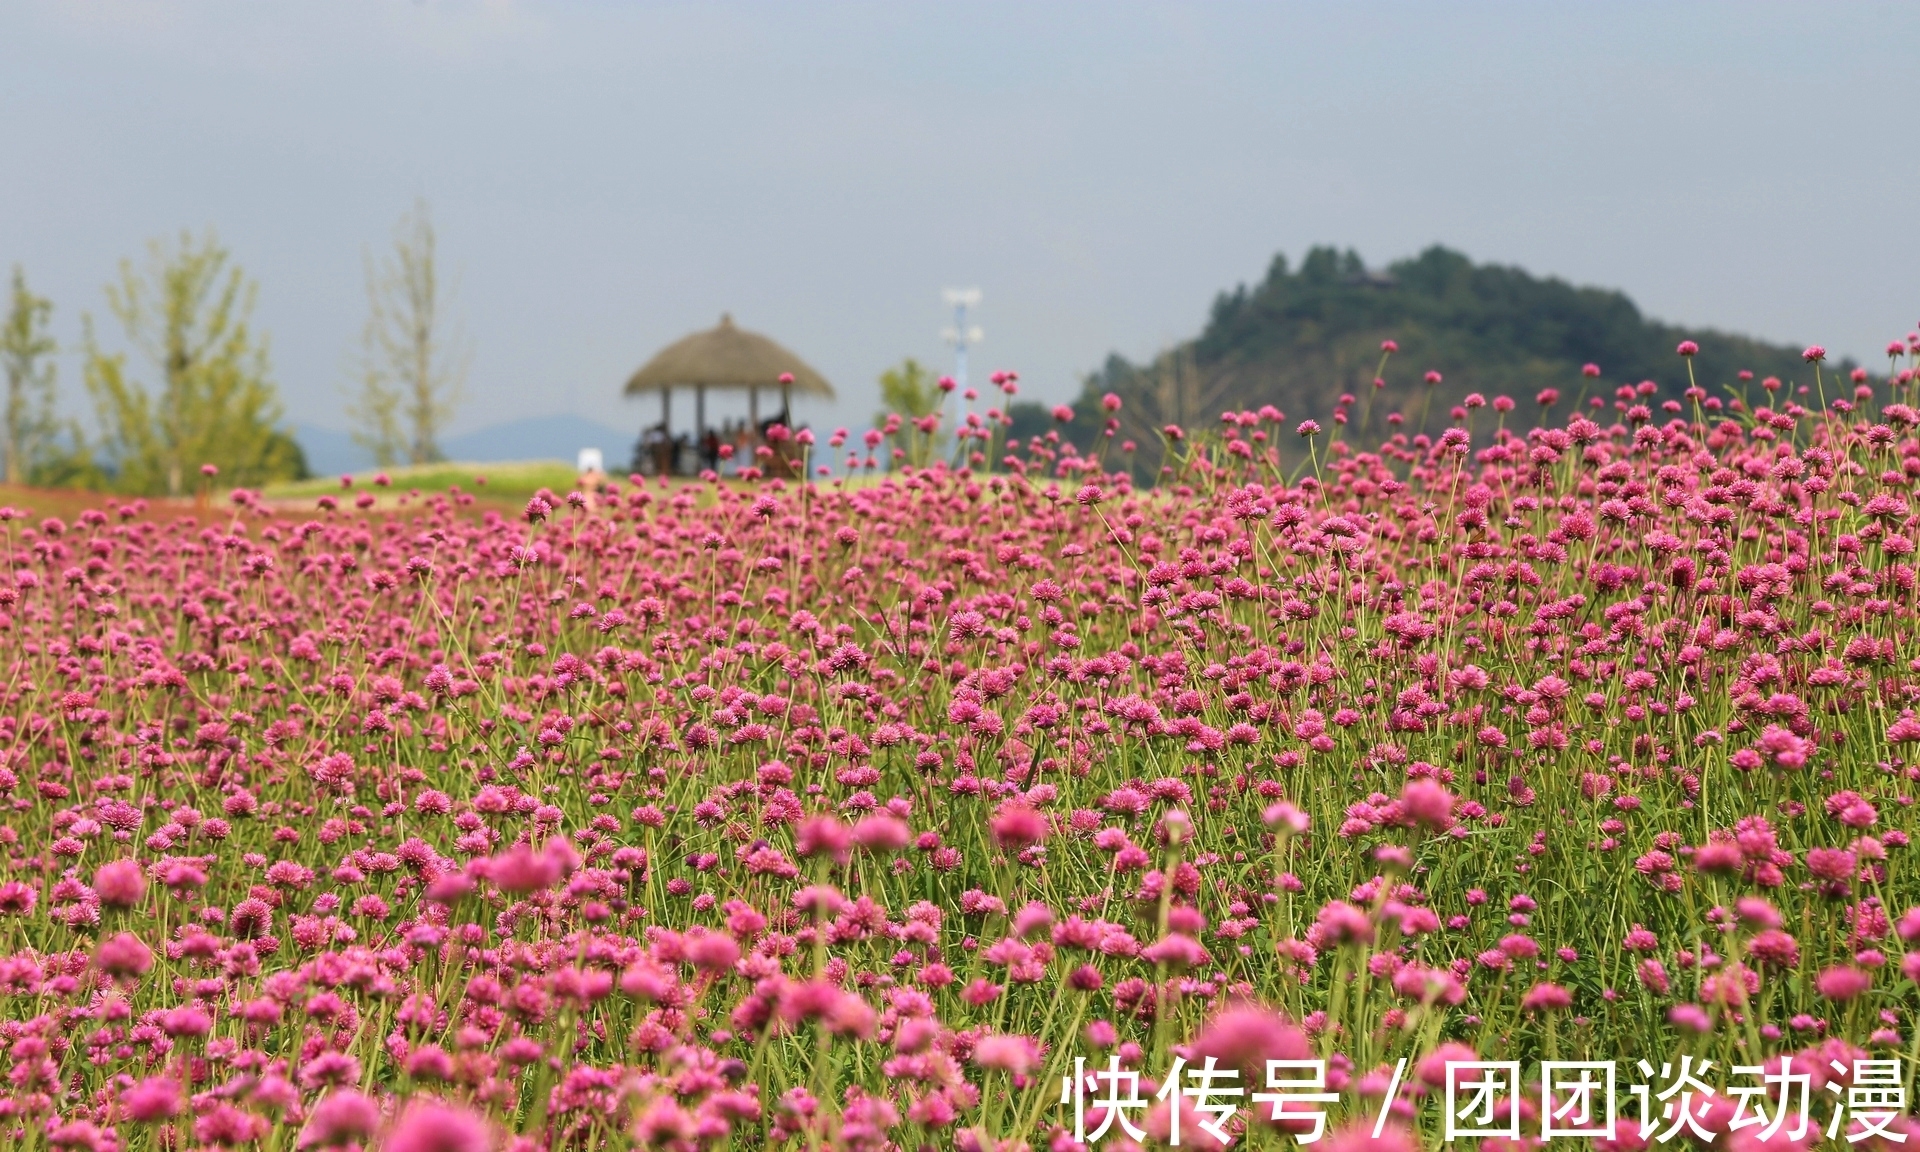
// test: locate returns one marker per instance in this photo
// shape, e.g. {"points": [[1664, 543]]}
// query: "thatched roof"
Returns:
{"points": [[726, 357]]}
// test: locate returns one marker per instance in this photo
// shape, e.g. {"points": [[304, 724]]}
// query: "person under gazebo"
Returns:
{"points": [[723, 357]]}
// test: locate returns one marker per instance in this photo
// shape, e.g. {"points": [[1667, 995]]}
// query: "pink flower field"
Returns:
{"points": [[888, 810]]}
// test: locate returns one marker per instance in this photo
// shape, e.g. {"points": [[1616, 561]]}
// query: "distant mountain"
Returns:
{"points": [[330, 451], [556, 437], [1300, 338]]}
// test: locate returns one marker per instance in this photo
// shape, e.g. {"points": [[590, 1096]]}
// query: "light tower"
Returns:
{"points": [[961, 334]]}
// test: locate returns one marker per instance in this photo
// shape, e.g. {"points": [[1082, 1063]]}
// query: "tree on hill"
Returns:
{"points": [[1302, 337], [215, 403]]}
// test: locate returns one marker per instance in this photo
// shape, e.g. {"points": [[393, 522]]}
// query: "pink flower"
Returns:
{"points": [[1775, 949], [1832, 863], [713, 952], [120, 883], [981, 993], [1519, 947], [343, 1117], [1286, 818], [1340, 923], [1427, 804], [226, 1125], [75, 1134], [431, 1126], [1016, 827], [1176, 951], [186, 1021], [823, 836], [851, 1016], [1014, 1054], [1757, 912], [1687, 348], [1841, 983], [1246, 1037], [1432, 1070], [1638, 939], [521, 870], [123, 954], [1545, 997], [149, 1101], [882, 834], [664, 1124], [17, 899], [450, 888], [807, 1000], [1718, 857]]}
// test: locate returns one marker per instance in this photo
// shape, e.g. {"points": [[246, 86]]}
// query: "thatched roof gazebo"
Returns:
{"points": [[731, 358]]}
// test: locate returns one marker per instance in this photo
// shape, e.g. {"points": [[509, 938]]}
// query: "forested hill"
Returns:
{"points": [[1305, 335]]}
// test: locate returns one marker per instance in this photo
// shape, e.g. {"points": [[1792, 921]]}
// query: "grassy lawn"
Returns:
{"points": [[502, 485], [514, 480]]}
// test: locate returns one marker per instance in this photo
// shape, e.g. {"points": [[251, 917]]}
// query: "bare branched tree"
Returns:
{"points": [[1173, 389], [413, 360], [1184, 393]]}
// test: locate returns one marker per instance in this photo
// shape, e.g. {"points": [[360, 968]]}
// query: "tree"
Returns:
{"points": [[187, 314], [27, 432], [911, 391], [411, 364], [1172, 389]]}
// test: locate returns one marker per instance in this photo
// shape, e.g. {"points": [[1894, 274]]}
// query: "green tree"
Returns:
{"points": [[412, 361], [26, 348], [187, 314], [911, 391]]}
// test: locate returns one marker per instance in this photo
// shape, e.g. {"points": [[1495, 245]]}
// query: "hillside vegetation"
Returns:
{"points": [[1303, 336]]}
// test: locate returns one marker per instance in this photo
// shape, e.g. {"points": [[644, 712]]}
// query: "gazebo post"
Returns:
{"points": [[753, 407], [700, 413], [667, 454]]}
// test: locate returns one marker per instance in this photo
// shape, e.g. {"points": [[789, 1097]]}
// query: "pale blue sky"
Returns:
{"points": [[607, 177]]}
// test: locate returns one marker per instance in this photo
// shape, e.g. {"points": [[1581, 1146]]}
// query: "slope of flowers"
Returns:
{"points": [[848, 814]]}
